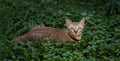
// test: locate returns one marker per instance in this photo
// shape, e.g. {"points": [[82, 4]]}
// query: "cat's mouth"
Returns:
{"points": [[76, 39]]}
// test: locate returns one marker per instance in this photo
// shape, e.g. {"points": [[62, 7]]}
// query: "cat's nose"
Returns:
{"points": [[76, 31]]}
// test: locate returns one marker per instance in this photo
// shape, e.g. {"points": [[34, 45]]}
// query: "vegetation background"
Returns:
{"points": [[100, 40]]}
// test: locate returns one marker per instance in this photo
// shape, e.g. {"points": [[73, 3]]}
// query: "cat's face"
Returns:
{"points": [[75, 29]]}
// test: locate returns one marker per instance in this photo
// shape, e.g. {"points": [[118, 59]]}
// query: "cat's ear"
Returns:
{"points": [[82, 22], [68, 22]]}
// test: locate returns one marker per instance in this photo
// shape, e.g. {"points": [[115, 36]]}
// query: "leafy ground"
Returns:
{"points": [[100, 40]]}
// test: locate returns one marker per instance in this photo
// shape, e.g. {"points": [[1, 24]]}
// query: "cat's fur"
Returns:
{"points": [[41, 33]]}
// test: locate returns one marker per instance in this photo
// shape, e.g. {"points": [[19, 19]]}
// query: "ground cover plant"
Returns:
{"points": [[100, 40]]}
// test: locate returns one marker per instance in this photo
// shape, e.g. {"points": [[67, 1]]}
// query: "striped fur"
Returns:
{"points": [[41, 33]]}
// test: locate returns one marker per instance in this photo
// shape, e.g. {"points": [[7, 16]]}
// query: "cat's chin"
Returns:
{"points": [[78, 38]]}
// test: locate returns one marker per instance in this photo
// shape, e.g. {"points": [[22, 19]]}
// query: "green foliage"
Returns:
{"points": [[100, 40]]}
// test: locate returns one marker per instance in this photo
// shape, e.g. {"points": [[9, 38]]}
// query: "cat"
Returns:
{"points": [[73, 33]]}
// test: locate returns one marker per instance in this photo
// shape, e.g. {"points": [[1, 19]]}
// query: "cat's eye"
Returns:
{"points": [[79, 30], [71, 29]]}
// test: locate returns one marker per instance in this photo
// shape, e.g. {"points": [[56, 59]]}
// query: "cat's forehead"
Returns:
{"points": [[75, 24]]}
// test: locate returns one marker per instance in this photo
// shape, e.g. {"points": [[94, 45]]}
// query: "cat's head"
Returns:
{"points": [[75, 29]]}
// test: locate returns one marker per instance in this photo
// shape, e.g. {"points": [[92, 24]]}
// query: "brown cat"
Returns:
{"points": [[73, 33]]}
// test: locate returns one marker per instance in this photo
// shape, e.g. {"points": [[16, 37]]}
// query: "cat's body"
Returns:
{"points": [[41, 33]]}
